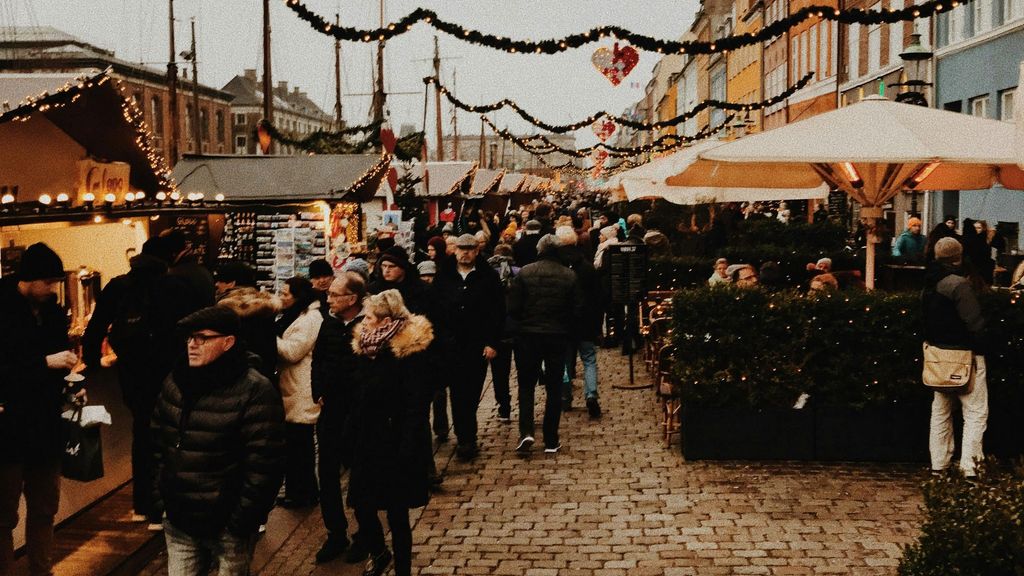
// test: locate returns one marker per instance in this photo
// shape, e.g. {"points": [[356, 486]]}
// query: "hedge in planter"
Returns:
{"points": [[971, 527], [857, 355]]}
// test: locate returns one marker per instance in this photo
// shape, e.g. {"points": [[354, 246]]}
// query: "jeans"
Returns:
{"points": [[501, 369], [300, 462], [467, 383], [372, 534], [188, 556], [532, 350], [40, 481], [332, 503], [974, 405], [588, 353]]}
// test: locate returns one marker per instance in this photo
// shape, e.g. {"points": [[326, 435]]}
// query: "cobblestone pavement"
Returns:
{"points": [[616, 501]]}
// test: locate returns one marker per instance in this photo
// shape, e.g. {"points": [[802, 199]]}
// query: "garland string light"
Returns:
{"points": [[323, 142], [621, 120], [662, 144], [641, 41]]}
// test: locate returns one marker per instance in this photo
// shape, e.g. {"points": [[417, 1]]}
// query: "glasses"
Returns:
{"points": [[202, 339]]}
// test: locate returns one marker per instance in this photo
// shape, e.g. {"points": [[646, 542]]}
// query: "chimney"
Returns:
{"points": [[249, 74], [282, 85], [295, 91]]}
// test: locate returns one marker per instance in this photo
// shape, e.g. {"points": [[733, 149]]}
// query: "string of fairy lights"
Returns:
{"points": [[662, 144], [618, 119], [641, 41]]}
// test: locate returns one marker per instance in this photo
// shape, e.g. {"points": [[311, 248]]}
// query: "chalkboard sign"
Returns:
{"points": [[197, 233], [628, 272]]}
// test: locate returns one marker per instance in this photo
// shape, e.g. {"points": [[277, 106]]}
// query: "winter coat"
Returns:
{"points": [[546, 298], [333, 379], [200, 291], [909, 245], [258, 334], [952, 315], [414, 292], [31, 393], [588, 327], [295, 366], [138, 313], [525, 249], [470, 312], [218, 443], [388, 427]]}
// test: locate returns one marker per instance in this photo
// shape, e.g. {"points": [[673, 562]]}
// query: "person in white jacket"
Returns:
{"points": [[297, 330]]}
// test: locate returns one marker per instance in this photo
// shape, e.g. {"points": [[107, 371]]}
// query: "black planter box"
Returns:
{"points": [[891, 433], [747, 434]]}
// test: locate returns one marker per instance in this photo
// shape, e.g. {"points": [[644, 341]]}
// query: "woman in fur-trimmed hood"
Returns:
{"points": [[388, 429]]}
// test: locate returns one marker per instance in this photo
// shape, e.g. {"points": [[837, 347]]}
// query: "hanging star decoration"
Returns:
{"points": [[615, 64]]}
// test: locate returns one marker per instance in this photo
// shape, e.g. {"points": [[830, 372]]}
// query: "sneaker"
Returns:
{"points": [[333, 547], [593, 407], [262, 529], [553, 449], [377, 564], [566, 403], [139, 518], [504, 414], [525, 444], [155, 527], [356, 552]]}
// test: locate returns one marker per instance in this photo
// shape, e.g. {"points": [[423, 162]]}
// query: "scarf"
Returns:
{"points": [[371, 341]]}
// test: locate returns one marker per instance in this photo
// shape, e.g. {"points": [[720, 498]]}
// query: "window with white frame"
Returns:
{"points": [[240, 120], [241, 144], [833, 57], [1012, 10], [823, 49], [812, 63], [979, 106], [957, 21], [853, 51], [795, 57], [982, 10], [1006, 104], [874, 44]]}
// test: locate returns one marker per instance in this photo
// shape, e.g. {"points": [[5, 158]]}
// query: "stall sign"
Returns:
{"points": [[102, 178]]}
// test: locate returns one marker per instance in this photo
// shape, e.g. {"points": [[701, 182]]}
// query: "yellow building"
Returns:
{"points": [[745, 69], [667, 109]]}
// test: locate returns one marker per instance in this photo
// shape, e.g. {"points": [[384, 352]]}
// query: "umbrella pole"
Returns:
{"points": [[871, 214]]}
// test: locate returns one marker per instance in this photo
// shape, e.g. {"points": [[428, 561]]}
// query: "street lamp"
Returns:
{"points": [[916, 59]]}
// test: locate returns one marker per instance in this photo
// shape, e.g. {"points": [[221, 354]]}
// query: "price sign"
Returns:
{"points": [[628, 269]]}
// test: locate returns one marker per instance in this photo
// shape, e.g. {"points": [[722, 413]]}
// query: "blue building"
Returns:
{"points": [[979, 47]]}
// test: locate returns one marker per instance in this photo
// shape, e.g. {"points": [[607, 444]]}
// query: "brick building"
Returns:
{"points": [[43, 49], [295, 114]]}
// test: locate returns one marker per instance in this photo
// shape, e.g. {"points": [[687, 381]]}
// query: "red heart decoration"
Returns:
{"points": [[615, 64], [598, 157], [603, 128]]}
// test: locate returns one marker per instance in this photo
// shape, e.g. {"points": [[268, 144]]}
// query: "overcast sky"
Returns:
{"points": [[557, 88]]}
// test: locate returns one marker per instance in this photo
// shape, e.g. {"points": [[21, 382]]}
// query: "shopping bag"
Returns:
{"points": [[83, 450], [947, 370]]}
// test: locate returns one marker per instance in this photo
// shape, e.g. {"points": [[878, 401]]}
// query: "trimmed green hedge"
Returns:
{"points": [[855, 349]]}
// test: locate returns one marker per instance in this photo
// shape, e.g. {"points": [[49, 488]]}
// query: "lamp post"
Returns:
{"points": [[916, 62]]}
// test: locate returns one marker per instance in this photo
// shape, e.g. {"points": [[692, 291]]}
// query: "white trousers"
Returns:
{"points": [[974, 405]]}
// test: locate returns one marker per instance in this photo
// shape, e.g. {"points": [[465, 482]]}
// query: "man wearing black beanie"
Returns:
{"points": [[34, 358]]}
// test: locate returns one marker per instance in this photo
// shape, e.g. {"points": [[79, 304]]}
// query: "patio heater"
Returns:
{"points": [[916, 62]]}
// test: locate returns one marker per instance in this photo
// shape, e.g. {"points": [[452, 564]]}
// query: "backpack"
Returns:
{"points": [[132, 330]]}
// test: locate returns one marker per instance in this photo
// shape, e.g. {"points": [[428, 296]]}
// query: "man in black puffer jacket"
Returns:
{"points": [[218, 434], [546, 301]]}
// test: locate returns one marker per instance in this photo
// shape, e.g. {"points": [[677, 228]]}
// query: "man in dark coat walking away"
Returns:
{"points": [[470, 314], [218, 432], [334, 389], [525, 249], [200, 290], [34, 358], [545, 300], [137, 313], [585, 331]]}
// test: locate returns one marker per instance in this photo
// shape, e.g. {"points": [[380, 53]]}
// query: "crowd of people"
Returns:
{"points": [[235, 392]]}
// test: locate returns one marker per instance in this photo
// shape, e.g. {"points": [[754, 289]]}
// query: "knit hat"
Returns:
{"points": [[39, 262], [235, 271], [427, 268], [915, 221], [320, 268], [359, 266], [948, 249], [548, 243], [220, 319], [397, 256]]}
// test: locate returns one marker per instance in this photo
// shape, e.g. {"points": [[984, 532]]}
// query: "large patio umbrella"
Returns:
{"points": [[871, 150], [649, 181]]}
